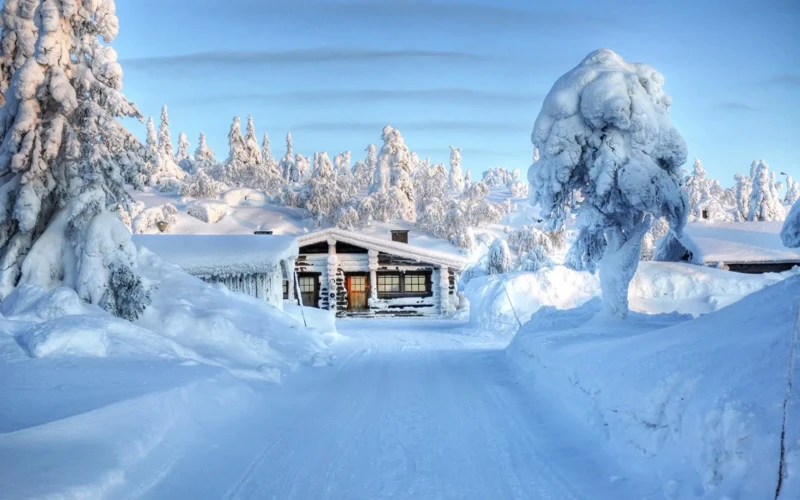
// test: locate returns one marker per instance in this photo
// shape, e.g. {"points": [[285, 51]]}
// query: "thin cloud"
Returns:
{"points": [[423, 126], [733, 106], [784, 80], [295, 57], [452, 95]]}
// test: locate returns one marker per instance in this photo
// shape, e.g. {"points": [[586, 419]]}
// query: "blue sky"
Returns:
{"points": [[468, 73]]}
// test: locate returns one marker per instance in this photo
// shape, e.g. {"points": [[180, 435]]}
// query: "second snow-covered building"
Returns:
{"points": [[357, 275], [252, 264]]}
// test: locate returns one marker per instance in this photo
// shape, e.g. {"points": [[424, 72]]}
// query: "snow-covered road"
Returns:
{"points": [[412, 409]]}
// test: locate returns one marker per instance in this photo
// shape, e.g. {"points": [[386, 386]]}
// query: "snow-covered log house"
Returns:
{"points": [[744, 247], [365, 276], [253, 264]]}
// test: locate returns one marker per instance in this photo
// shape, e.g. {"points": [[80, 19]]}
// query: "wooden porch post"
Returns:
{"points": [[373, 274]]}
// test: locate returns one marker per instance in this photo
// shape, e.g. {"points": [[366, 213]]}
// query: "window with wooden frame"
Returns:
{"points": [[397, 285], [388, 283]]}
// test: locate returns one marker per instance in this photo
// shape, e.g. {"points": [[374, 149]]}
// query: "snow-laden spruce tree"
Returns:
{"points": [[604, 129], [468, 180], [698, 190], [287, 164], [342, 163], [396, 155], [498, 260], [182, 157], [456, 177], [764, 203], [64, 162], [204, 156], [164, 138], [363, 171], [267, 159], [792, 191], [237, 152], [251, 149], [302, 167], [790, 232], [17, 39], [743, 188]]}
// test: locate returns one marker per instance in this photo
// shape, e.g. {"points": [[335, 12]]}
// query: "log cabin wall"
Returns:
{"points": [[335, 260]]}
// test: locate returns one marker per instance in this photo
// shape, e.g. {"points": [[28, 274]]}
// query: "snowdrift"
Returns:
{"points": [[188, 319], [700, 401], [657, 287]]}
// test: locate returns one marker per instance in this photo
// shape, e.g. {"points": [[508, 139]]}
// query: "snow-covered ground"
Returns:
{"points": [[701, 402], [410, 409]]}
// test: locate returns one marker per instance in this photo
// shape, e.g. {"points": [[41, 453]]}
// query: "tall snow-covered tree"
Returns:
{"points": [[164, 139], [792, 191], [183, 148], [152, 139], [266, 156], [287, 164], [604, 129], [64, 162], [698, 190], [395, 158], [342, 163], [764, 203], [456, 177], [252, 151], [182, 157], [364, 171], [302, 166], [468, 180], [204, 156], [237, 151], [790, 232], [17, 39], [743, 189]]}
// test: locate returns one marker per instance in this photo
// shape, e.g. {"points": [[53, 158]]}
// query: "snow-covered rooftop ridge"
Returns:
{"points": [[385, 246], [738, 242], [221, 255]]}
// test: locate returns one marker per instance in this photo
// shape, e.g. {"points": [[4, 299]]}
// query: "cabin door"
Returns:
{"points": [[357, 292], [309, 289]]}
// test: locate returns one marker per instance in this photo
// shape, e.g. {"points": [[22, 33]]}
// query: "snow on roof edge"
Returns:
{"points": [[386, 246], [221, 255]]}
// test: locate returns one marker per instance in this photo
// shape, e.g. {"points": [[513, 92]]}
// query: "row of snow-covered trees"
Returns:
{"points": [[390, 183], [756, 197]]}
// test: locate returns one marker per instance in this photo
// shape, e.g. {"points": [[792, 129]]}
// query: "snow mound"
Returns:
{"points": [[698, 401], [245, 197], [208, 211], [147, 221], [657, 287]]}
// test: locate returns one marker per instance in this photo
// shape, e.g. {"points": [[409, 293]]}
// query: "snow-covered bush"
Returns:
{"points": [[126, 215], [790, 232], [500, 177], [518, 189], [536, 259], [65, 159], [168, 185], [149, 218], [208, 211], [604, 129], [527, 238], [346, 217], [200, 185], [498, 260]]}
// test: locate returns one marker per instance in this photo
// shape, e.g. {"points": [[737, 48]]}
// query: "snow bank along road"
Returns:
{"points": [[412, 409]]}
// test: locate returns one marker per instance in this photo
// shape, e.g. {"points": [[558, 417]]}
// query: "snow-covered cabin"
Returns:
{"points": [[253, 264], [357, 275], [745, 247]]}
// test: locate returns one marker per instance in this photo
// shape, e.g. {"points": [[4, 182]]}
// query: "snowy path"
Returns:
{"points": [[410, 410]]}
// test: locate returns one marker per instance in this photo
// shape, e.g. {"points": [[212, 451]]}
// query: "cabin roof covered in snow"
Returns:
{"points": [[221, 255], [386, 246], [737, 243]]}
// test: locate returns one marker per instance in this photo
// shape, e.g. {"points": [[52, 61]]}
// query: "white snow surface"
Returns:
{"points": [[501, 303], [221, 255], [699, 402], [741, 242], [208, 211]]}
